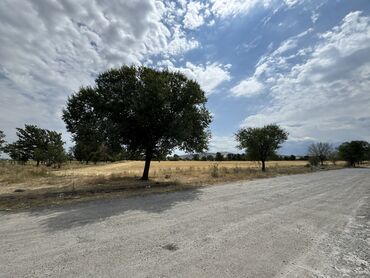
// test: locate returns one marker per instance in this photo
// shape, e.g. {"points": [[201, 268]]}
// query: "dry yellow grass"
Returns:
{"points": [[44, 185], [135, 168]]}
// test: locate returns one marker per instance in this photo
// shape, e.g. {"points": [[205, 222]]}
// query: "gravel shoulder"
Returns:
{"points": [[310, 225]]}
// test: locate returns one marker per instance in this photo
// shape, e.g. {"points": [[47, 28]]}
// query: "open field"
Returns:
{"points": [[309, 225], [42, 185]]}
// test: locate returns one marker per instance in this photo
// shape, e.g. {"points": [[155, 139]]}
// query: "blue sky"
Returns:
{"points": [[304, 65]]}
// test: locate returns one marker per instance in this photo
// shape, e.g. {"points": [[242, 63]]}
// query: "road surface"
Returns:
{"points": [[311, 225]]}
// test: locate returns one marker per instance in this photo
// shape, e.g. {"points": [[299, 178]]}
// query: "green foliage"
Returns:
{"points": [[39, 144], [146, 111], [236, 157], [85, 124], [70, 154], [354, 152], [196, 157], [219, 157], [261, 143], [55, 154]]}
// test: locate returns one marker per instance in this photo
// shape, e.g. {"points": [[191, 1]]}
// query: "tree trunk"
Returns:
{"points": [[148, 159], [263, 166], [38, 163]]}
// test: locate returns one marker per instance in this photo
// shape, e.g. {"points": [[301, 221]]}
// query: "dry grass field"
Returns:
{"points": [[25, 186]]}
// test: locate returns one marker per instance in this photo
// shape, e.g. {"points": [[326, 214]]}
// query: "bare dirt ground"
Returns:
{"points": [[309, 225]]}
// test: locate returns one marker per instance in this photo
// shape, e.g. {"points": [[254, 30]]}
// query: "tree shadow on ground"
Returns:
{"points": [[80, 214]]}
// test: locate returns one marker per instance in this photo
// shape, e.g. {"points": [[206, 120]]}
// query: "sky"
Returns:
{"points": [[304, 65]]}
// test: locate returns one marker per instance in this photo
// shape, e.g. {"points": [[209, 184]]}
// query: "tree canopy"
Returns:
{"points": [[354, 152], [261, 143], [40, 145], [143, 110]]}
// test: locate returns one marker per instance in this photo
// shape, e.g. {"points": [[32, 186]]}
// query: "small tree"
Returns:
{"points": [[219, 157], [196, 157], [354, 152], [320, 150], [147, 111], [2, 141], [41, 145], [55, 153], [333, 156], [261, 143]]}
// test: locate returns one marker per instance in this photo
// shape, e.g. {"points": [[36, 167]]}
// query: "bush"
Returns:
{"points": [[313, 160], [214, 170]]}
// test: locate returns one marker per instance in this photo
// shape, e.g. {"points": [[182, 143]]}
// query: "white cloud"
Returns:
{"points": [[247, 88], [51, 48], [223, 144], [193, 17], [291, 3], [223, 8], [266, 69], [314, 17], [209, 76], [325, 97]]}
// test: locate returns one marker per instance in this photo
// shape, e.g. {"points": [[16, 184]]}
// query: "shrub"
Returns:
{"points": [[214, 170]]}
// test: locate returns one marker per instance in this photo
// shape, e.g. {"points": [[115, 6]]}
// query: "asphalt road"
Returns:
{"points": [[311, 225]]}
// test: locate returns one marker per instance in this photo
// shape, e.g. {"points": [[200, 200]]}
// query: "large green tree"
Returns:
{"points": [[85, 123], [145, 111], [261, 143], [354, 152]]}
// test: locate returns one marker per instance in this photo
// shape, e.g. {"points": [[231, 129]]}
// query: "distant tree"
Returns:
{"points": [[70, 154], [31, 143], [354, 152], [55, 153], [292, 157], [261, 143], [145, 110], [305, 157], [40, 145], [210, 157], [240, 157], [196, 157], [2, 141], [320, 150], [333, 156], [219, 157], [16, 153], [230, 157]]}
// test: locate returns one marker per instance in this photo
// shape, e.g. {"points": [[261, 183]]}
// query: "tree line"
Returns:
{"points": [[37, 144], [142, 113]]}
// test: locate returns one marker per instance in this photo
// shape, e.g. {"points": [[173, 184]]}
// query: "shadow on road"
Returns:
{"points": [[67, 217]]}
